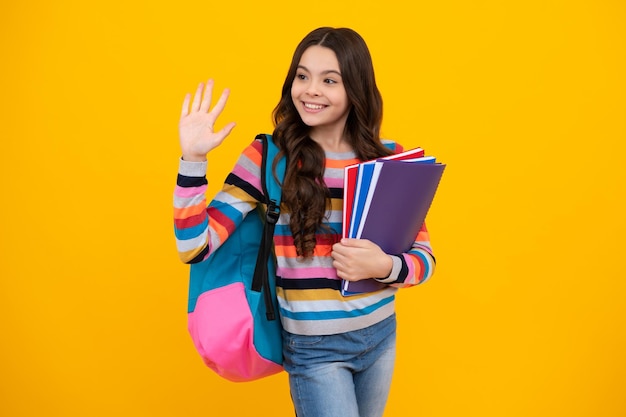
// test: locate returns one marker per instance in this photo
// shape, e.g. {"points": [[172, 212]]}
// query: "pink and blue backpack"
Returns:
{"points": [[232, 311]]}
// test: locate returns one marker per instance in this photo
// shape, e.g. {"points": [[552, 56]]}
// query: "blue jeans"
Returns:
{"points": [[341, 375]]}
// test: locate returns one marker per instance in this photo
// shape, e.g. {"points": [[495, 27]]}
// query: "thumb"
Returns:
{"points": [[223, 133]]}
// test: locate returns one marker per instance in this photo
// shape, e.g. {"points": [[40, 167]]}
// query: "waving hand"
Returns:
{"points": [[196, 127]]}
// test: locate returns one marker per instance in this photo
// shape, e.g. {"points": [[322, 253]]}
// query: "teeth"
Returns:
{"points": [[313, 106]]}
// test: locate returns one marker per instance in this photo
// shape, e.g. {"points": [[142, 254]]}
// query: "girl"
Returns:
{"points": [[338, 351]]}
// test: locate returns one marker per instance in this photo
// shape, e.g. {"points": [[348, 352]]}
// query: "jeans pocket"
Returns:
{"points": [[294, 341]]}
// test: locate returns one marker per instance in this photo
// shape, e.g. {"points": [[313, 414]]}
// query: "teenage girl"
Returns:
{"points": [[338, 351]]}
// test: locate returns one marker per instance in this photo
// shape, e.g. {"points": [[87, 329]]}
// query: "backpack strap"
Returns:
{"points": [[271, 187], [272, 192]]}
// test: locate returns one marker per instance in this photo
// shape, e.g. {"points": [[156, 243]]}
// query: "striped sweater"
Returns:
{"points": [[308, 290]]}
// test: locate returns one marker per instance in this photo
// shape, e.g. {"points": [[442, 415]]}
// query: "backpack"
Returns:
{"points": [[232, 294]]}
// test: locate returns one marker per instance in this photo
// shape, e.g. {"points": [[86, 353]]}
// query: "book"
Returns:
{"points": [[390, 200], [398, 204], [364, 192], [350, 180]]}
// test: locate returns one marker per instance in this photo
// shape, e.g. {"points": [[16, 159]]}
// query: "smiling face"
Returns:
{"points": [[318, 92]]}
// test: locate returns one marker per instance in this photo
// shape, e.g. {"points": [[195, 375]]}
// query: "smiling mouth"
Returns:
{"points": [[312, 106]]}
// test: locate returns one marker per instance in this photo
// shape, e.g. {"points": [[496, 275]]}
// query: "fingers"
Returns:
{"points": [[195, 106], [357, 243], [206, 99], [221, 103], [224, 132], [356, 259], [202, 100], [185, 110], [227, 129]]}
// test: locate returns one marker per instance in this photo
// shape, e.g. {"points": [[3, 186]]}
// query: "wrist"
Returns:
{"points": [[388, 267], [194, 158], [394, 272]]}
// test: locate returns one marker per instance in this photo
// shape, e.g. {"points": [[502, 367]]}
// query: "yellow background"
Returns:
{"points": [[524, 100]]}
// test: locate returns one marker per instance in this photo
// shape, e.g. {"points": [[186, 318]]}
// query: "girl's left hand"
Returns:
{"points": [[357, 259]]}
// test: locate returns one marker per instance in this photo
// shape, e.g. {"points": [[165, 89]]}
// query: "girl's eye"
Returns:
{"points": [[301, 76], [330, 81]]}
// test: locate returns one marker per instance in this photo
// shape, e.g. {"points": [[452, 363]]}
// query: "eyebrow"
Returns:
{"points": [[323, 72]]}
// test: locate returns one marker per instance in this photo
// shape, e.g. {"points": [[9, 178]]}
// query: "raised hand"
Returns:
{"points": [[196, 126]]}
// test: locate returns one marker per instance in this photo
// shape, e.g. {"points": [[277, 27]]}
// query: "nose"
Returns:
{"points": [[312, 89]]}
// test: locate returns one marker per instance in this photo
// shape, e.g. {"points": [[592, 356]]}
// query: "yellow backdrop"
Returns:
{"points": [[524, 100]]}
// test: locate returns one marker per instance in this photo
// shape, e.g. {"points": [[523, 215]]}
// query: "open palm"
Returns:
{"points": [[196, 127]]}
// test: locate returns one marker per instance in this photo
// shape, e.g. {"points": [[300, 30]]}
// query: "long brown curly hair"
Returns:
{"points": [[304, 192]]}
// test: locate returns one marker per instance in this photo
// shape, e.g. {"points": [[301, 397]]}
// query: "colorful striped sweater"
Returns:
{"points": [[309, 297]]}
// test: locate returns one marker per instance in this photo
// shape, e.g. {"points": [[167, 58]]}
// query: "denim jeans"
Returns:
{"points": [[341, 375]]}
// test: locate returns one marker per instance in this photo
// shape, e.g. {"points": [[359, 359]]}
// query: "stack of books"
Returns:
{"points": [[386, 201]]}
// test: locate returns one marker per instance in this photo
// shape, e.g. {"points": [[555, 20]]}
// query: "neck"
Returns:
{"points": [[331, 141]]}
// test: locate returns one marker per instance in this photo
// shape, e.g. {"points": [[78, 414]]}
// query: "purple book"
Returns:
{"points": [[402, 195]]}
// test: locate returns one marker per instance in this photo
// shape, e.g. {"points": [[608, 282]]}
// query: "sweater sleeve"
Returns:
{"points": [[415, 266], [199, 228]]}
